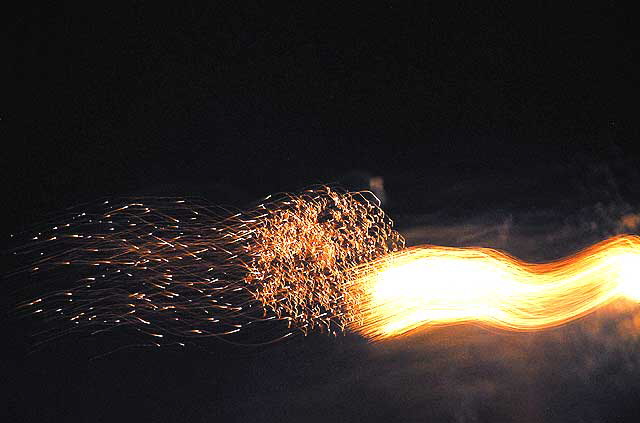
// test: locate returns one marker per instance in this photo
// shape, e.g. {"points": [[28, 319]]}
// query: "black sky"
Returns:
{"points": [[465, 110], [260, 99]]}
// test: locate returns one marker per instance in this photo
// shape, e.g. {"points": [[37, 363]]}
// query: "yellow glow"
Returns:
{"points": [[433, 286]]}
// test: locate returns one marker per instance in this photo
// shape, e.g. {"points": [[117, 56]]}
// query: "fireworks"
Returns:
{"points": [[168, 267], [323, 259]]}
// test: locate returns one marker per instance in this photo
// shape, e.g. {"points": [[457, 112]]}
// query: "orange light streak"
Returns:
{"points": [[435, 286]]}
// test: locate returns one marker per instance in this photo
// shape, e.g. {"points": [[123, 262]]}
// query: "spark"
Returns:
{"points": [[286, 260]]}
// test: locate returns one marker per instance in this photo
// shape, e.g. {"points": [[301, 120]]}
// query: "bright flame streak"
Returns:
{"points": [[434, 286]]}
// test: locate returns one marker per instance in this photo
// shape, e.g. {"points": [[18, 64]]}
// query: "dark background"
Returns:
{"points": [[510, 127]]}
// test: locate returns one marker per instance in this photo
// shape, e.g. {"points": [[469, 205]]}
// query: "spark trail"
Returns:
{"points": [[323, 260], [176, 268]]}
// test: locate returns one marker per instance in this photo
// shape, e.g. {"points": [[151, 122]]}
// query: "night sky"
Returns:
{"points": [[508, 127]]}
